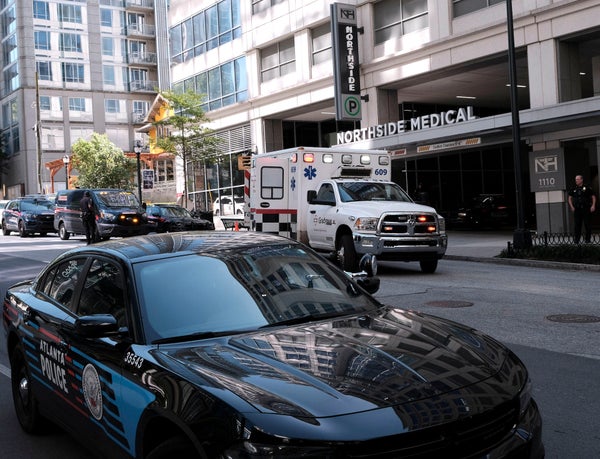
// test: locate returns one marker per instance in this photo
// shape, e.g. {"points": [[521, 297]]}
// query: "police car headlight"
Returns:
{"points": [[366, 223], [108, 216]]}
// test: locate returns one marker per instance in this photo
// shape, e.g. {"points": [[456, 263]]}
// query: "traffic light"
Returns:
{"points": [[244, 162]]}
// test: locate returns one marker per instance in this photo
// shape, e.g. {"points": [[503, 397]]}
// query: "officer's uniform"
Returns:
{"points": [[581, 197]]}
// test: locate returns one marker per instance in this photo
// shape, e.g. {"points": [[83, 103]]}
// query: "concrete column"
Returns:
{"points": [[551, 206]]}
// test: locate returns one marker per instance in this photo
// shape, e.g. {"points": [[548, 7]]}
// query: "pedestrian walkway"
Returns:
{"points": [[481, 244]]}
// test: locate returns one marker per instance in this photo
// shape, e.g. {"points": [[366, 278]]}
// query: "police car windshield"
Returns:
{"points": [[371, 191], [118, 198]]}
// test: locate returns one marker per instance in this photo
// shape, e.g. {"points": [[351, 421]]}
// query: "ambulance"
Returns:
{"points": [[343, 202]]}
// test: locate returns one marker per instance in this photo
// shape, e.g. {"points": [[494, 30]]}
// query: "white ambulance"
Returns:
{"points": [[342, 201]]}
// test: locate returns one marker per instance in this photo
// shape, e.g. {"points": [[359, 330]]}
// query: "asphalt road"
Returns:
{"points": [[511, 303]]}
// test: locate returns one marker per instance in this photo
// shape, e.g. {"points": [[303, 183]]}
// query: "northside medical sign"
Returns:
{"points": [[344, 37]]}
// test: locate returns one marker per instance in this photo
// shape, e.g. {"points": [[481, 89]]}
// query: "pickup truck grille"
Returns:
{"points": [[408, 224]]}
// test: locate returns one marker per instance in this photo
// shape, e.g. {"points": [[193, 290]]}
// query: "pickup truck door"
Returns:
{"points": [[321, 221]]}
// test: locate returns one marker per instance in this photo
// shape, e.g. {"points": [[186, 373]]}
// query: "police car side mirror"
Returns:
{"points": [[96, 325]]}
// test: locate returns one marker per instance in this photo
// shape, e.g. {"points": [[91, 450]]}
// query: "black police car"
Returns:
{"points": [[28, 215], [168, 217], [245, 345]]}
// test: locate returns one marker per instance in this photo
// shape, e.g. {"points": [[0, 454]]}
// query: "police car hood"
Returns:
{"points": [[348, 365], [376, 208]]}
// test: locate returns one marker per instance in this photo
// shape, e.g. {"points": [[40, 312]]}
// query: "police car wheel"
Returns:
{"points": [[26, 405], [178, 447], [63, 233]]}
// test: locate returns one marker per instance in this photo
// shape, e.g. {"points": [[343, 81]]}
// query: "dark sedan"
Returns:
{"points": [[167, 218], [247, 345], [27, 216], [485, 210]]}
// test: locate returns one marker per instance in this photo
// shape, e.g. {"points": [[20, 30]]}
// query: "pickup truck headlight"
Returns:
{"points": [[366, 223]]}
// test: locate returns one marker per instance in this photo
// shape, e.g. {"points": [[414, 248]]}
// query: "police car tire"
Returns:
{"points": [[175, 447], [63, 233], [26, 405]]}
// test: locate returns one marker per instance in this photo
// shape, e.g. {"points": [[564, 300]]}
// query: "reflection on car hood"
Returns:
{"points": [[351, 364], [362, 208]]}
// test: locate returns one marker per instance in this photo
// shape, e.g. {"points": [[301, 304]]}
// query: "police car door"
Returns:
{"points": [[321, 224]]}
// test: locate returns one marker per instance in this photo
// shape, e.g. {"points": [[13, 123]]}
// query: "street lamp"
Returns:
{"points": [[137, 148], [66, 160], [521, 237]]}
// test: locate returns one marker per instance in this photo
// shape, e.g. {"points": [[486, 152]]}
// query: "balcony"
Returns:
{"points": [[143, 86], [139, 5], [138, 118], [140, 30], [142, 58]]}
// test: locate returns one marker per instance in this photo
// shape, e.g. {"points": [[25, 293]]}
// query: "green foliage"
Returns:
{"points": [[184, 132], [568, 253], [101, 164]]}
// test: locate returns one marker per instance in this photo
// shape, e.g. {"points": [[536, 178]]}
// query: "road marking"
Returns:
{"points": [[5, 371]]}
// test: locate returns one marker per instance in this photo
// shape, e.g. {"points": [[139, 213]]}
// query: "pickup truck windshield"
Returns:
{"points": [[371, 191]]}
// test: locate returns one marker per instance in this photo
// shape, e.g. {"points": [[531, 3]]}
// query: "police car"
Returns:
{"points": [[243, 345]]}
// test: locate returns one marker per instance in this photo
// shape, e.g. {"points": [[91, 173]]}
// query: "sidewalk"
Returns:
{"points": [[484, 246]]}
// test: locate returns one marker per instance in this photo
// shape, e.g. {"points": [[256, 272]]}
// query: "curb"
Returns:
{"points": [[528, 263]]}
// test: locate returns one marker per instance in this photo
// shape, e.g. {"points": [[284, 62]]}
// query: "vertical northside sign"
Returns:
{"points": [[344, 38]]}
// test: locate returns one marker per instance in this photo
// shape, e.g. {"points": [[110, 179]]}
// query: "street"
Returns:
{"points": [[514, 304]]}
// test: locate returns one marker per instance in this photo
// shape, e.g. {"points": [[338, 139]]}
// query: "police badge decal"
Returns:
{"points": [[92, 390]]}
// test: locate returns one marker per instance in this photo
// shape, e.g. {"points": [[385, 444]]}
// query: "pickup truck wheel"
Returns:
{"points": [[346, 254], [63, 233], [428, 266]]}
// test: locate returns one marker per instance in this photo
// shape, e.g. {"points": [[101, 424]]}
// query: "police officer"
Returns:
{"points": [[582, 202], [88, 216]]}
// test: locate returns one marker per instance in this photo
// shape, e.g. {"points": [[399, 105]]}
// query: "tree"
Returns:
{"points": [[183, 131], [101, 164]]}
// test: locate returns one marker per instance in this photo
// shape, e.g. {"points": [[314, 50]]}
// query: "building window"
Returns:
{"points": [[108, 47], [223, 85], [164, 170], [111, 106], [41, 10], [462, 7], [44, 70], [77, 104], [45, 103], [321, 44], [108, 75], [394, 18], [42, 39], [278, 60], [262, 5], [105, 17], [72, 73], [69, 13], [70, 42], [206, 30]]}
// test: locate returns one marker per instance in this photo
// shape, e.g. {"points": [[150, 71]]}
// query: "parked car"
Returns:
{"points": [[28, 215], [249, 345], [166, 217], [118, 213], [228, 205], [485, 210], [3, 203]]}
